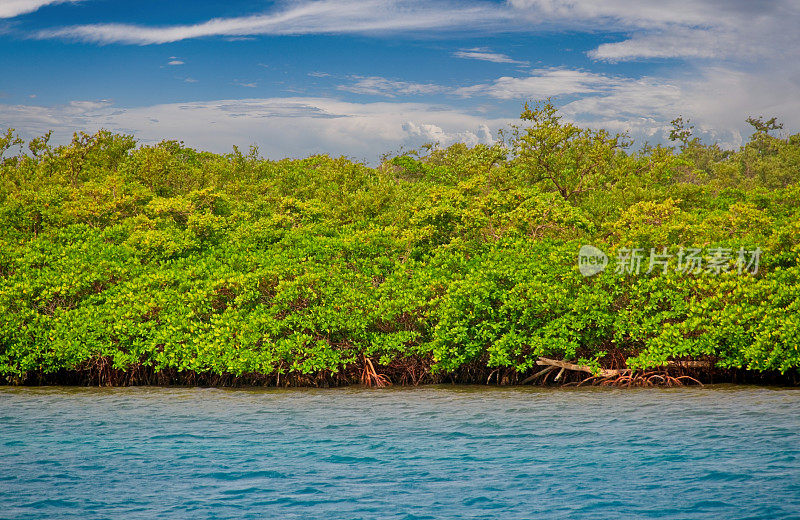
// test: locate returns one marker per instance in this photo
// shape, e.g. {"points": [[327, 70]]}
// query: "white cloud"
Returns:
{"points": [[717, 100], [314, 17], [282, 127], [542, 83], [652, 14], [737, 58], [12, 8], [751, 42], [376, 85], [731, 29], [484, 54], [693, 29], [175, 62], [434, 134], [739, 30]]}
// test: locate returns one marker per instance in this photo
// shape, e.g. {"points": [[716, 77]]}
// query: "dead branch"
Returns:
{"points": [[606, 372]]}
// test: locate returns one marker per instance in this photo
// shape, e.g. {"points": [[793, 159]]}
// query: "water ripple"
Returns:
{"points": [[434, 452]]}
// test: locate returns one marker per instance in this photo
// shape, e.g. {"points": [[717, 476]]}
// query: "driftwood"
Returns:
{"points": [[605, 372]]}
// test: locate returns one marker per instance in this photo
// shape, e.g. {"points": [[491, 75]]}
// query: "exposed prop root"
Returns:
{"points": [[587, 380], [411, 370], [369, 377], [645, 379], [537, 375], [690, 379], [624, 377]]}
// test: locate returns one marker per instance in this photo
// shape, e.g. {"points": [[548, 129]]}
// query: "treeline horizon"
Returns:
{"points": [[123, 263]]}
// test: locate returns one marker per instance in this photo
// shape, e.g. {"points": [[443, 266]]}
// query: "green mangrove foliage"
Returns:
{"points": [[118, 259]]}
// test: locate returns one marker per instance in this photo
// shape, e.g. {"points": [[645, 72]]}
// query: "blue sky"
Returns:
{"points": [[361, 78]]}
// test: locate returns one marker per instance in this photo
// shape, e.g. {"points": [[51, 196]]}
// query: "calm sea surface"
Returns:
{"points": [[721, 452]]}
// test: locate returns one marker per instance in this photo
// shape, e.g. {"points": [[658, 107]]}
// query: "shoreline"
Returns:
{"points": [[471, 376]]}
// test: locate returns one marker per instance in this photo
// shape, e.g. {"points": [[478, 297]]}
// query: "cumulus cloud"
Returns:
{"points": [[717, 99], [13, 8], [435, 134], [282, 127]]}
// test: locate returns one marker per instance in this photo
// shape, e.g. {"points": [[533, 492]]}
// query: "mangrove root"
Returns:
{"points": [[369, 377], [537, 375], [618, 377]]}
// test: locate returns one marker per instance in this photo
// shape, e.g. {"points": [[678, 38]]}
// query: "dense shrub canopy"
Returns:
{"points": [[165, 257]]}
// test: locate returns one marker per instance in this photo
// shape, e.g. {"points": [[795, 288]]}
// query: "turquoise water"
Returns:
{"points": [[436, 452]]}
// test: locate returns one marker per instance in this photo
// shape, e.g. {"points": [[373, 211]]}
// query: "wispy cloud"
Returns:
{"points": [[13, 8], [315, 17], [250, 84], [538, 84], [747, 44], [691, 29], [485, 54], [175, 62], [650, 14], [542, 83], [376, 85]]}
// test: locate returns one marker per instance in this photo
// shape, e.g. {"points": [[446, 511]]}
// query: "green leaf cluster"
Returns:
{"points": [[166, 257]]}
